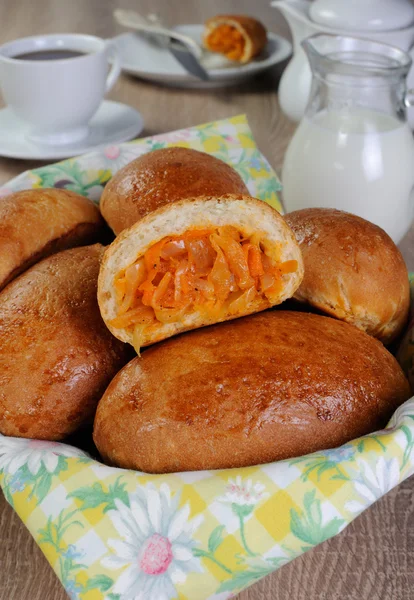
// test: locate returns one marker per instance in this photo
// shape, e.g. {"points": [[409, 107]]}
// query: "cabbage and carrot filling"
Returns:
{"points": [[227, 40], [210, 270]]}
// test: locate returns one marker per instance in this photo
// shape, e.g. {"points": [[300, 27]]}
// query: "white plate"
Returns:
{"points": [[147, 59], [113, 123]]}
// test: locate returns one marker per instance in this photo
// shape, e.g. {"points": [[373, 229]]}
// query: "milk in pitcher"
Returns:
{"points": [[359, 161], [354, 150]]}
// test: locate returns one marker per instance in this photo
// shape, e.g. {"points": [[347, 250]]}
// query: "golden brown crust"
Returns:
{"points": [[56, 355], [39, 222], [161, 177], [263, 388], [254, 32], [353, 271]]}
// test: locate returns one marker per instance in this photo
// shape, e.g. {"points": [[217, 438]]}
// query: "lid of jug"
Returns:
{"points": [[363, 15]]}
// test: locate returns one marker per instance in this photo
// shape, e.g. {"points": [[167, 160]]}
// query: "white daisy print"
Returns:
{"points": [[156, 544], [243, 493], [111, 157], [17, 452], [243, 498], [116, 157], [182, 135], [371, 483]]}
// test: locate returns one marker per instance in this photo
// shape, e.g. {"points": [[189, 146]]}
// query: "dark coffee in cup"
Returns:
{"points": [[52, 54], [57, 98]]}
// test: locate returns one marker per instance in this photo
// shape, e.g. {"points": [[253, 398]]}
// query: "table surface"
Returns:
{"points": [[373, 559]]}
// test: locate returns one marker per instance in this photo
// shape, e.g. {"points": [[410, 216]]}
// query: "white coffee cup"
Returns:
{"points": [[57, 97]]}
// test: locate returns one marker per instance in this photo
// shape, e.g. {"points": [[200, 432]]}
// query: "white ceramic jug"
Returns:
{"points": [[387, 21]]}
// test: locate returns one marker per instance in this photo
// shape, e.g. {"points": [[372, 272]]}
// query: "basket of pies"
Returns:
{"points": [[195, 388]]}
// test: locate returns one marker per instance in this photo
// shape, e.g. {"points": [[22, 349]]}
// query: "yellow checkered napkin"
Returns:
{"points": [[112, 534]]}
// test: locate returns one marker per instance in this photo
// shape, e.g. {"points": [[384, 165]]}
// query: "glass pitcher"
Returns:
{"points": [[354, 150]]}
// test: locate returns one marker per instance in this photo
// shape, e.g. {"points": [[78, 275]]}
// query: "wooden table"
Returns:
{"points": [[373, 559]]}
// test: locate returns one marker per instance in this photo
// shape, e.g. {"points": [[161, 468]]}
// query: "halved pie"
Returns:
{"points": [[194, 263]]}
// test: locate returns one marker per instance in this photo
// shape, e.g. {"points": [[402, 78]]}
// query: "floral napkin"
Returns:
{"points": [[113, 534]]}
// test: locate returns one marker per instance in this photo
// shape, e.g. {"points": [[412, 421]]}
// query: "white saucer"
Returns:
{"points": [[113, 123], [145, 58]]}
